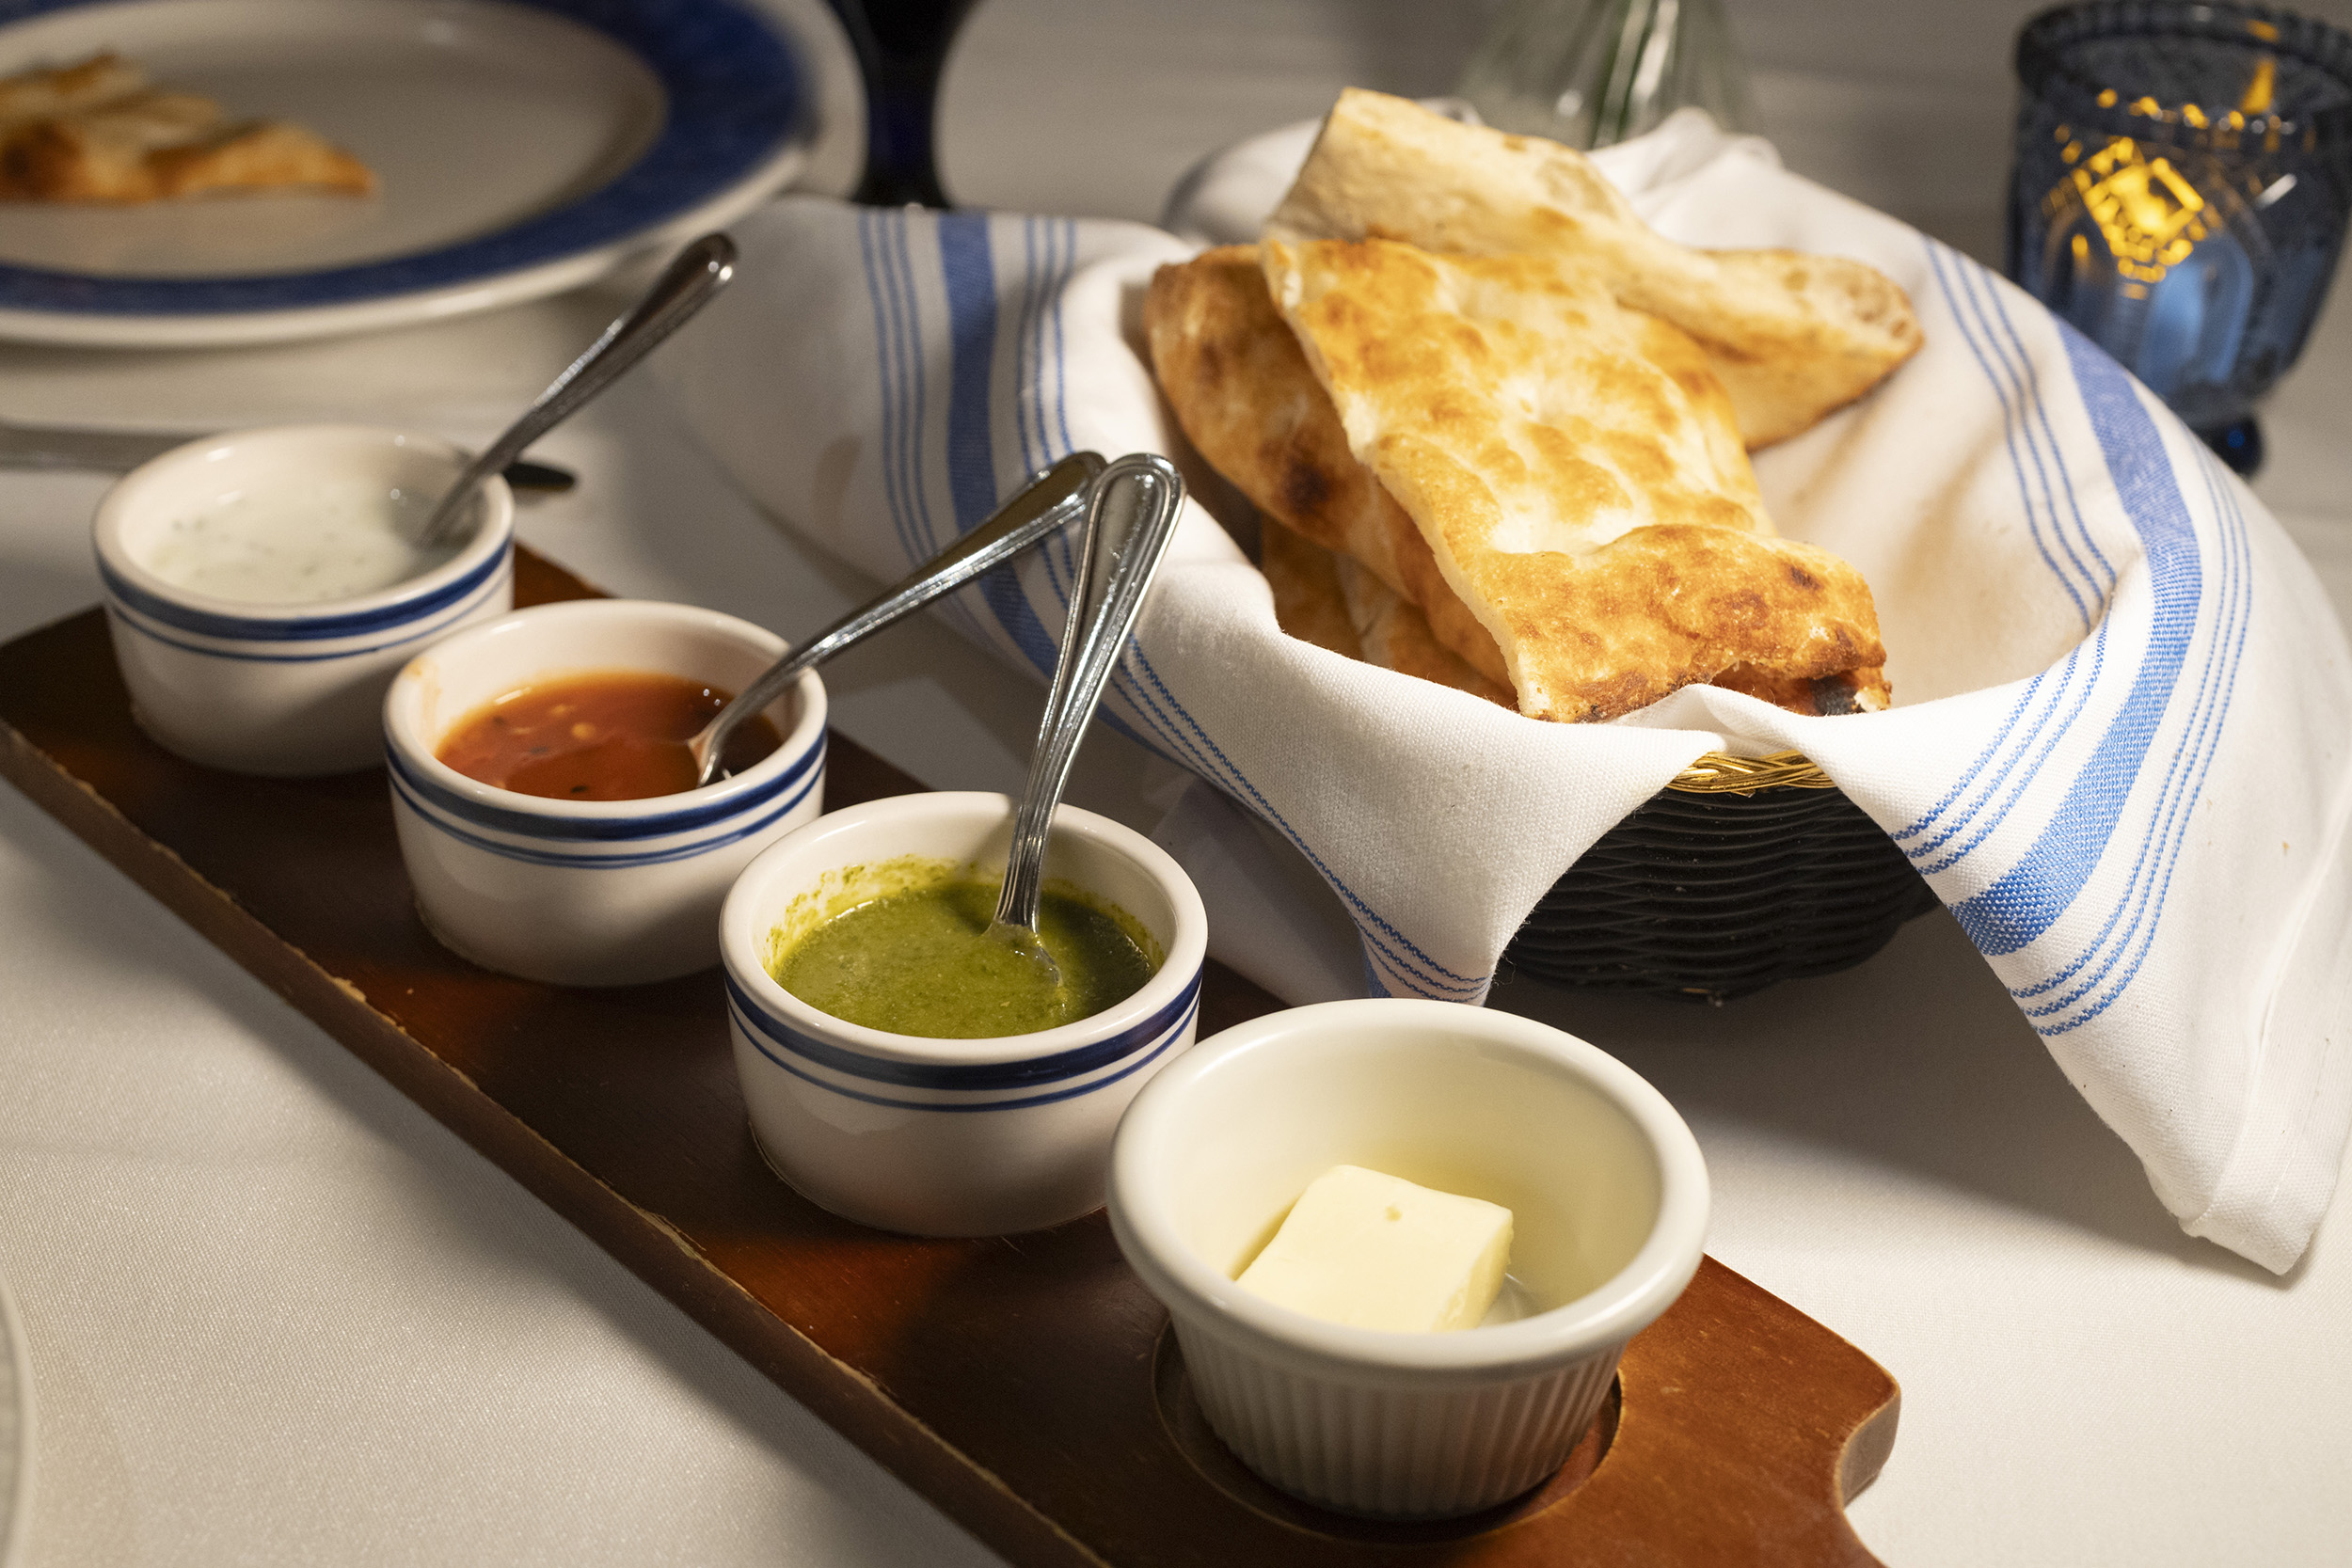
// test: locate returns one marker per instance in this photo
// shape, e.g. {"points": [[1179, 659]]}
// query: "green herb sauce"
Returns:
{"points": [[920, 961]]}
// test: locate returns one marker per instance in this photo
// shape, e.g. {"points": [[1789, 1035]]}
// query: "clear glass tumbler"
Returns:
{"points": [[1589, 72], [2183, 175]]}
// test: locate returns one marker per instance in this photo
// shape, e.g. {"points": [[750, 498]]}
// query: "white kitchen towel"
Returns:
{"points": [[2122, 745]]}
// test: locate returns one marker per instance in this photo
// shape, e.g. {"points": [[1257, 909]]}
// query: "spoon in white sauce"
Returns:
{"points": [[685, 285]]}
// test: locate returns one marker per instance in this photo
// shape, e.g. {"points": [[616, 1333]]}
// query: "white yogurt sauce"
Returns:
{"points": [[303, 544]]}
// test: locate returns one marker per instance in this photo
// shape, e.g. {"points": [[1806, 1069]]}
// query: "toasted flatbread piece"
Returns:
{"points": [[272, 154], [97, 131], [68, 89], [1240, 387], [1572, 471], [1847, 691], [1309, 603], [1337, 603], [1792, 336], [1245, 396], [1324, 598]]}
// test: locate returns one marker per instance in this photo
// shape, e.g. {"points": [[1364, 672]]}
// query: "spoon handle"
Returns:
{"points": [[1047, 505], [1131, 516], [684, 287]]}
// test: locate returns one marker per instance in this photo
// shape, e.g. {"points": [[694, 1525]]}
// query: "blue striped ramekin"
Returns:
{"points": [[589, 892], [950, 1137], [284, 690]]}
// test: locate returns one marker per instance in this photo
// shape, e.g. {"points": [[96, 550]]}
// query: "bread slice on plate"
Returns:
{"points": [[98, 132]]}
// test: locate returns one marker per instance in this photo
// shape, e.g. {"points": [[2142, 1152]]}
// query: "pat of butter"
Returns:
{"points": [[1374, 1251]]}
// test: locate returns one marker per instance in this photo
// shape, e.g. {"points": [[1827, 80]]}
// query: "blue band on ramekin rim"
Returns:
{"points": [[1137, 1063], [766, 1028], [529, 856], [295, 626], [129, 620], [735, 94], [439, 802]]}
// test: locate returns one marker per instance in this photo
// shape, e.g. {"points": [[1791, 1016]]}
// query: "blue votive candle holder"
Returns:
{"points": [[2183, 177]]}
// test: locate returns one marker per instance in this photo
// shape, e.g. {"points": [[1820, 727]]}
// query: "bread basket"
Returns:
{"points": [[1743, 872]]}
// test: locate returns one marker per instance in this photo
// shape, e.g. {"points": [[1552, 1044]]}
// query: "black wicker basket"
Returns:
{"points": [[1741, 873]]}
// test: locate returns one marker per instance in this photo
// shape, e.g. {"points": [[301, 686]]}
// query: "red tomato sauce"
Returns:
{"points": [[614, 735]]}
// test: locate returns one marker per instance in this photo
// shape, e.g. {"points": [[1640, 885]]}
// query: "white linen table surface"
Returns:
{"points": [[279, 1315]]}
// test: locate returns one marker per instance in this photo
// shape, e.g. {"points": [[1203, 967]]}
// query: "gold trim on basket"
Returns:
{"points": [[1721, 773]]}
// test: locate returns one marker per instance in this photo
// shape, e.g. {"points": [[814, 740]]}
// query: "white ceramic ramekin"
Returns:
{"points": [[1609, 1200], [284, 690], [590, 893], [932, 1137]]}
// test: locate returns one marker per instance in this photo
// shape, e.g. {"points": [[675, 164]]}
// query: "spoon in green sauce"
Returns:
{"points": [[1044, 507], [1132, 508]]}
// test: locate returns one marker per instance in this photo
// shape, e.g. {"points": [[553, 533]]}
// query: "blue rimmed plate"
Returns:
{"points": [[522, 146]]}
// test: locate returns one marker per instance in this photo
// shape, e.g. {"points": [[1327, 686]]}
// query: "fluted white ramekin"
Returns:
{"points": [[590, 893], [284, 690], [953, 1137], [1608, 1199]]}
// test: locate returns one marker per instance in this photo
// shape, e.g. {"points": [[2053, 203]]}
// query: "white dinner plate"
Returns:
{"points": [[16, 1430], [522, 147]]}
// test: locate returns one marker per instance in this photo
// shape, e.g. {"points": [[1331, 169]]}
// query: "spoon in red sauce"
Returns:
{"points": [[1050, 502]]}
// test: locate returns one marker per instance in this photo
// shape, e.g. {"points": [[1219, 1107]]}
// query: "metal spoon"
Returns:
{"points": [[684, 287], [118, 452], [1131, 516], [1054, 499]]}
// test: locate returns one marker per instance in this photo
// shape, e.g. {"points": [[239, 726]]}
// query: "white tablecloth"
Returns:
{"points": [[279, 1315]]}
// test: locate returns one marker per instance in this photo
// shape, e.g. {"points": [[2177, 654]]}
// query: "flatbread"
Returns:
{"points": [[1337, 603], [68, 89], [1240, 387], [1818, 696], [1245, 396], [1791, 336], [1575, 471], [1308, 602], [97, 132]]}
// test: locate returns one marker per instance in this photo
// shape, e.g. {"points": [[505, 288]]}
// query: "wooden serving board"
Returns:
{"points": [[1026, 1384]]}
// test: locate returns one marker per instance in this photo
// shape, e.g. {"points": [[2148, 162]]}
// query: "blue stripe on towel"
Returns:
{"points": [[2031, 896], [2010, 781], [968, 269], [2152, 875], [2023, 744], [967, 266], [915, 449], [889, 351], [1028, 363], [970, 276], [1999, 336], [1951, 274], [2009, 346], [1427, 975]]}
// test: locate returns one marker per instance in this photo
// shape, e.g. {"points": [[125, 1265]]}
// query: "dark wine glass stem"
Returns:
{"points": [[903, 48]]}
